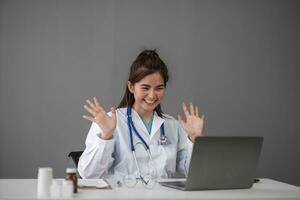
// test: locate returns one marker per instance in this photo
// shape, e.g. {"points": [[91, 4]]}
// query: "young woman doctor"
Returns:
{"points": [[138, 138]]}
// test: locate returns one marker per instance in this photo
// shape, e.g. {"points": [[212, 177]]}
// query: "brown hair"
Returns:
{"points": [[146, 63]]}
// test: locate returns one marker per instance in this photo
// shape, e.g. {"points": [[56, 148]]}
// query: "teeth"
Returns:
{"points": [[150, 102]]}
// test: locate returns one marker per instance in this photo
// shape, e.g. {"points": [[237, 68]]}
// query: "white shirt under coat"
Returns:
{"points": [[103, 158]]}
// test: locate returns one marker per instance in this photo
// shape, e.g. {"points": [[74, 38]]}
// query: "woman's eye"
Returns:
{"points": [[145, 88]]}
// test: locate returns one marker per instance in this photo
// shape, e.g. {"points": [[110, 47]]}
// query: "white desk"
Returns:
{"points": [[265, 189]]}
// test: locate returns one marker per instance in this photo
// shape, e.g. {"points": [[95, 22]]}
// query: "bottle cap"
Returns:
{"points": [[45, 169], [71, 170]]}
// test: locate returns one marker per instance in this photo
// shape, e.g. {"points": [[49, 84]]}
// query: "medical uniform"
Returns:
{"points": [[103, 158]]}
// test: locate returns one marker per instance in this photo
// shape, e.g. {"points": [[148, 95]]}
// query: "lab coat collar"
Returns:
{"points": [[157, 122]]}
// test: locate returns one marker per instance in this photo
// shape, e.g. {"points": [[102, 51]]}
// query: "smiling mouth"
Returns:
{"points": [[150, 102]]}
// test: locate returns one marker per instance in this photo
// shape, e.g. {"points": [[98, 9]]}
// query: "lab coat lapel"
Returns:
{"points": [[138, 123], [157, 122]]}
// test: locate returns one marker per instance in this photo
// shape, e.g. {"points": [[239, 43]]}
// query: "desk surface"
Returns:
{"points": [[265, 189]]}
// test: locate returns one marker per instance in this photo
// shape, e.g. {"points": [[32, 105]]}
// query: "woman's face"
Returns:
{"points": [[148, 92]]}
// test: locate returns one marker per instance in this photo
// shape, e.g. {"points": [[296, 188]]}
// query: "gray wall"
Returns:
{"points": [[237, 60]]}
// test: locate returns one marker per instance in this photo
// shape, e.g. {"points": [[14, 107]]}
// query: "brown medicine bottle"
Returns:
{"points": [[71, 175]]}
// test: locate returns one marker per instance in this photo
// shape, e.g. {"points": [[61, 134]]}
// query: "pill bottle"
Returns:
{"points": [[71, 175], [67, 189]]}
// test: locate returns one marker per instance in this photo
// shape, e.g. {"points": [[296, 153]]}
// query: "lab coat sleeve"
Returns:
{"points": [[184, 152], [96, 159]]}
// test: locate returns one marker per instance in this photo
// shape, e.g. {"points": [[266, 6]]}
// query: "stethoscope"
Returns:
{"points": [[163, 139]]}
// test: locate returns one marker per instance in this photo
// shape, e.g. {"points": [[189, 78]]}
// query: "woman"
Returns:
{"points": [[138, 138]]}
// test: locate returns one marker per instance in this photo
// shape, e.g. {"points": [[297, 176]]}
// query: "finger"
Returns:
{"points": [[92, 105], [96, 101], [88, 118], [197, 111], [98, 105], [113, 113], [192, 110], [90, 110], [185, 110]]}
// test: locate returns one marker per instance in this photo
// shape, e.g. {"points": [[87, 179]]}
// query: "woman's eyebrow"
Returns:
{"points": [[146, 85]]}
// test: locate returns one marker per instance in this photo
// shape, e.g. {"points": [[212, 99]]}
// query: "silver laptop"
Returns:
{"points": [[221, 163]]}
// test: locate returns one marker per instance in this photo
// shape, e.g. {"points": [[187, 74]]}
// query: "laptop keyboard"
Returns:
{"points": [[177, 183]]}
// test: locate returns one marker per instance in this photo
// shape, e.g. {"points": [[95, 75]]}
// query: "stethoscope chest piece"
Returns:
{"points": [[163, 140]]}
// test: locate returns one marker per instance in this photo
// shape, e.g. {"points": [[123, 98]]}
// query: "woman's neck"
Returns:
{"points": [[144, 114]]}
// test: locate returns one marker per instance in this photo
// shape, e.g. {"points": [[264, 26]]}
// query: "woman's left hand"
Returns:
{"points": [[193, 124]]}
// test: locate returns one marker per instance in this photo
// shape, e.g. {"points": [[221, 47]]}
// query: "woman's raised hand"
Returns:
{"points": [[99, 116], [193, 124]]}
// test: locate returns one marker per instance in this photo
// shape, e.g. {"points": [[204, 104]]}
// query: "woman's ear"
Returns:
{"points": [[130, 86]]}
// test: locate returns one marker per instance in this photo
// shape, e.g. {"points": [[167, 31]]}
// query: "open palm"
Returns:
{"points": [[99, 116], [193, 124]]}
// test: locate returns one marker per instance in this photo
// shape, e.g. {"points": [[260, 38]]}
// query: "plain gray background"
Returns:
{"points": [[237, 60]]}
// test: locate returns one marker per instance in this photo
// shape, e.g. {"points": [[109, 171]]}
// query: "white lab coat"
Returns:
{"points": [[103, 158]]}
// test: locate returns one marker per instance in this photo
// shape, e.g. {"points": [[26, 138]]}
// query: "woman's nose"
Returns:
{"points": [[152, 94]]}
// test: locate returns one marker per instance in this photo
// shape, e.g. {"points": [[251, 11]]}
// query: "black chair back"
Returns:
{"points": [[75, 155]]}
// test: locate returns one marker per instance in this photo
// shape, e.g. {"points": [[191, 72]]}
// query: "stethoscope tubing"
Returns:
{"points": [[131, 126]]}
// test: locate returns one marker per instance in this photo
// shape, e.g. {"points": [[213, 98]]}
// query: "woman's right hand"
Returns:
{"points": [[100, 117]]}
